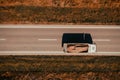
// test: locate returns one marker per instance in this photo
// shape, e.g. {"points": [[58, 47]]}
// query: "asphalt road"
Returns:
{"points": [[41, 39]]}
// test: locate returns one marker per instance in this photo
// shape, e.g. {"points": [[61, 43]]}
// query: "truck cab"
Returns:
{"points": [[78, 43]]}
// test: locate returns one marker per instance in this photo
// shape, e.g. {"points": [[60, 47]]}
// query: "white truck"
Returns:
{"points": [[78, 43]]}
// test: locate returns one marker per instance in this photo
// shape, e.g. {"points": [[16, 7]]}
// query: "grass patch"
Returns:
{"points": [[59, 67], [59, 63], [55, 15]]}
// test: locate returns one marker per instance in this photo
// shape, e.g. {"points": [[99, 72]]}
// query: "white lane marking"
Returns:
{"points": [[102, 40], [57, 53], [2, 39], [108, 52], [63, 26], [31, 52], [47, 39]]}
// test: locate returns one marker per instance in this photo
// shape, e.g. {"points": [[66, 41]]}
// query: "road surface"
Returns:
{"points": [[46, 39]]}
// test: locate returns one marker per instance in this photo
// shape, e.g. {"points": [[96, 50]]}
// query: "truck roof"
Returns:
{"points": [[76, 38]]}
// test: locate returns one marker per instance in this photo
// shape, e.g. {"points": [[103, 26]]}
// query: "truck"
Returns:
{"points": [[78, 43]]}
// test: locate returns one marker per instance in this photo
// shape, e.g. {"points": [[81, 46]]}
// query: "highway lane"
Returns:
{"points": [[49, 39]]}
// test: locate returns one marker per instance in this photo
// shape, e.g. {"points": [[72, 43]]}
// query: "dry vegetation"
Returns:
{"points": [[63, 3], [59, 11], [59, 68], [56, 15]]}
